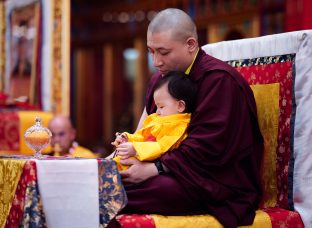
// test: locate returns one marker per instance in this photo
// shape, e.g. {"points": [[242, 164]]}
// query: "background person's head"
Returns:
{"points": [[175, 93], [172, 40], [63, 133]]}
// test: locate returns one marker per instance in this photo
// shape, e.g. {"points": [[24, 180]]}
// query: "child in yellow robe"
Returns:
{"points": [[164, 130]]}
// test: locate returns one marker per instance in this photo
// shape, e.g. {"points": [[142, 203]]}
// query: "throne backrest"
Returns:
{"points": [[279, 70]]}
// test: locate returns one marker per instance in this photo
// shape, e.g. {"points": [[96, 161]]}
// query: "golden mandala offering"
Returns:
{"points": [[37, 137]]}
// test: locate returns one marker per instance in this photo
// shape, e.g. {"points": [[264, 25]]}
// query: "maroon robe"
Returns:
{"points": [[216, 168]]}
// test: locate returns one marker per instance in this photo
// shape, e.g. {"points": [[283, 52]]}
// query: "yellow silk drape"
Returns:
{"points": [[10, 173]]}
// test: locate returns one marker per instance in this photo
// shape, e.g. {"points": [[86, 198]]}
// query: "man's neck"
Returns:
{"points": [[188, 70]]}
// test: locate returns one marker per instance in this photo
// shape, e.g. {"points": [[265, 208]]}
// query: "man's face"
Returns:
{"points": [[62, 135], [168, 53]]}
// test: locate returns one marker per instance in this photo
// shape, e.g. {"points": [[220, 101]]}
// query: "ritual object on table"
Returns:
{"points": [[37, 137]]}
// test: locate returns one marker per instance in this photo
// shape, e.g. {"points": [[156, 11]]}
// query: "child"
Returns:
{"points": [[164, 130]]}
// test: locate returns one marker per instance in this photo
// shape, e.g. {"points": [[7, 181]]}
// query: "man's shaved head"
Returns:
{"points": [[63, 132], [176, 20], [62, 120]]}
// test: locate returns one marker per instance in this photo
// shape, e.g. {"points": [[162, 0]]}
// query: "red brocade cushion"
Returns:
{"points": [[267, 218], [268, 71], [9, 131]]}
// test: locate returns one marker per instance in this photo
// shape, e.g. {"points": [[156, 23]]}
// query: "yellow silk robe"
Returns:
{"points": [[158, 135]]}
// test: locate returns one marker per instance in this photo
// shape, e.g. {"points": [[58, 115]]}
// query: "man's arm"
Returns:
{"points": [[138, 171]]}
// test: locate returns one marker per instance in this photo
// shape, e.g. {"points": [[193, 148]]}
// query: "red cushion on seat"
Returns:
{"points": [[284, 218], [135, 221]]}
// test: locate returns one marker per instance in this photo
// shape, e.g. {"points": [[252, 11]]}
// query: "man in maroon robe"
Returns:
{"points": [[216, 168]]}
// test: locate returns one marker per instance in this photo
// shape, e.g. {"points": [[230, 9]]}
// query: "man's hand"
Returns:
{"points": [[138, 171]]}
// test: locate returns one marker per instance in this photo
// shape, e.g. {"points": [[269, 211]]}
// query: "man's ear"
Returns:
{"points": [[192, 44], [181, 106], [73, 133]]}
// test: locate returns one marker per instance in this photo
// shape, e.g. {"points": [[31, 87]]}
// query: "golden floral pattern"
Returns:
{"points": [[268, 70], [267, 100], [17, 207], [57, 57], [33, 210], [112, 194], [10, 172]]}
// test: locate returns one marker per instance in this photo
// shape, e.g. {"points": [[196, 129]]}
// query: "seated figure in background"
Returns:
{"points": [[63, 139]]}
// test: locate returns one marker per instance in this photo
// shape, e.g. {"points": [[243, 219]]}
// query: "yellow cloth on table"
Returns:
{"points": [[10, 173], [27, 119], [262, 220], [82, 152], [158, 135], [267, 101]]}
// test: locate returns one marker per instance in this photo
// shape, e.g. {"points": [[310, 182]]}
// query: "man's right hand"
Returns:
{"points": [[138, 171]]}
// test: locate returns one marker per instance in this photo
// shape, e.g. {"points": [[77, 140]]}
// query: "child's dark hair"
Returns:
{"points": [[180, 87]]}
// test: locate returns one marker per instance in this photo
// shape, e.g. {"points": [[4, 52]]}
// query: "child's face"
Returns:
{"points": [[166, 104]]}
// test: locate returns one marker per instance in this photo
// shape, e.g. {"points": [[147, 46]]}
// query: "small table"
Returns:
{"points": [[59, 192]]}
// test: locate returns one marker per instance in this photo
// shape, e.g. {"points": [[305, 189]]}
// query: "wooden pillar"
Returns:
{"points": [[108, 92], [80, 94], [60, 56], [212, 33], [66, 57], [255, 26], [140, 80]]}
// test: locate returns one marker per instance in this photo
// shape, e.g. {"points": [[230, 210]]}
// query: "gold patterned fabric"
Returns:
{"points": [[267, 100], [10, 172], [262, 220], [269, 70], [112, 195]]}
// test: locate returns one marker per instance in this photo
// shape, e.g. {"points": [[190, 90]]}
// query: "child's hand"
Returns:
{"points": [[120, 138], [126, 150]]}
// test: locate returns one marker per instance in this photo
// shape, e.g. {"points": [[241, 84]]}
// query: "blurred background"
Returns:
{"points": [[107, 63]]}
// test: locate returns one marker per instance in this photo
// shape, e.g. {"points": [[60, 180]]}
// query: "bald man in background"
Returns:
{"points": [[63, 139]]}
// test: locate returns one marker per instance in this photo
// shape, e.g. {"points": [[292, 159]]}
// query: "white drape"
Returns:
{"points": [[69, 190]]}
